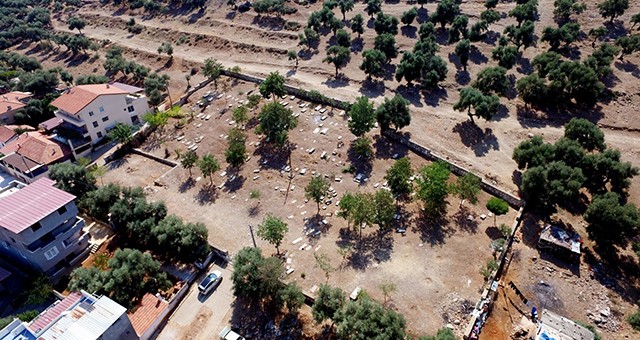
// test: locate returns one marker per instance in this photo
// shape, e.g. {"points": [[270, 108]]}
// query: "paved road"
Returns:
{"points": [[200, 317]]}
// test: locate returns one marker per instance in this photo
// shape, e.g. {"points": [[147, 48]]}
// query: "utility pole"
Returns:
{"points": [[253, 238]]}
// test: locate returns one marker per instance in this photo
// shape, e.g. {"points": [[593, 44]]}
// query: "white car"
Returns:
{"points": [[228, 334], [209, 282]]}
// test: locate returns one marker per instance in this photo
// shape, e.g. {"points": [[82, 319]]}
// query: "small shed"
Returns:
{"points": [[555, 327], [560, 241]]}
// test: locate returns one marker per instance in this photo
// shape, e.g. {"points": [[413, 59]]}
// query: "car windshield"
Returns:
{"points": [[207, 280]]}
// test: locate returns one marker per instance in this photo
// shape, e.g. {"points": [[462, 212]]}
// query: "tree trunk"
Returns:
{"points": [[494, 220], [190, 174], [277, 250]]}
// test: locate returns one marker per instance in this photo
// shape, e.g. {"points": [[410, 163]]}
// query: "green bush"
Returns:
{"points": [[634, 320]]}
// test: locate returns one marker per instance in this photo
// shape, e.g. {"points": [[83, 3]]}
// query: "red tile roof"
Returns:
{"points": [[30, 204], [51, 314], [38, 147], [149, 309], [12, 101], [8, 131], [50, 124], [82, 95]]}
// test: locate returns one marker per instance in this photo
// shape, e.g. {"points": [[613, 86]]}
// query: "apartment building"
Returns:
{"points": [[40, 228], [92, 110], [80, 315]]}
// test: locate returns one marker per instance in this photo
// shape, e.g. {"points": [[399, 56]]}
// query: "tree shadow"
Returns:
{"points": [[433, 96], [409, 31], [372, 88], [272, 157], [463, 77], [477, 57], [117, 163], [410, 93], [516, 177], [362, 165], [194, 17], [254, 210], [250, 318], [491, 37], [206, 195], [235, 182], [524, 65], [442, 36], [389, 71], [336, 82], [388, 149], [357, 45], [186, 185], [316, 225], [463, 222], [628, 67], [472, 136], [616, 271], [370, 22], [423, 16], [231, 15], [433, 229], [375, 247], [493, 232], [270, 23]]}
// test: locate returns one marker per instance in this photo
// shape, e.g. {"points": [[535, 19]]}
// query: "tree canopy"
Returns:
{"points": [[275, 122], [433, 187], [361, 117], [398, 175], [394, 112], [273, 229]]}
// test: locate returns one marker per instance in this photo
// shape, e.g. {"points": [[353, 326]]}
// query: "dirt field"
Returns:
{"points": [[435, 267], [259, 46]]}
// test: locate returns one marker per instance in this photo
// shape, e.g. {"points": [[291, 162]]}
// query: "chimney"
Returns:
{"points": [[9, 108], [108, 86]]}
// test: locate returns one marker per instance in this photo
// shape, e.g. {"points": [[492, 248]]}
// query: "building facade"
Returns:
{"points": [[40, 228], [92, 110]]}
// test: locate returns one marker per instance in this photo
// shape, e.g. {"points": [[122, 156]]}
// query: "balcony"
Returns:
{"points": [[62, 232], [67, 117]]}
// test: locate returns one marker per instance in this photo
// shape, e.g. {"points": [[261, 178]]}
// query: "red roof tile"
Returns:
{"points": [[8, 131], [51, 314], [149, 309], [30, 204], [37, 147], [82, 95], [12, 101]]}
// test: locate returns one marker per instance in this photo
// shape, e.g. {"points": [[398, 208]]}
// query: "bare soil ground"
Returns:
{"points": [[435, 266], [259, 44]]}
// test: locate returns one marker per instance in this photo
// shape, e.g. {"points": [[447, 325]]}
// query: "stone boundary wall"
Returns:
{"points": [[515, 202], [155, 158]]}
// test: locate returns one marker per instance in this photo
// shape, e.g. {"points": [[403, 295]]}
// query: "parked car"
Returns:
{"points": [[209, 282], [228, 334]]}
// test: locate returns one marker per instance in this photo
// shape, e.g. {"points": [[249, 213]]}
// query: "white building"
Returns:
{"points": [[78, 316], [92, 110]]}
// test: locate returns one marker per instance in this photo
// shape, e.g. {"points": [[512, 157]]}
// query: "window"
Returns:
{"points": [[36, 226], [135, 120], [62, 210], [90, 113], [101, 109], [130, 108], [99, 134], [95, 124], [51, 253], [105, 118]]}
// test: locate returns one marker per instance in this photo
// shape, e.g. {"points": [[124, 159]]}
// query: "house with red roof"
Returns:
{"points": [[92, 110], [29, 156], [10, 104], [40, 228]]}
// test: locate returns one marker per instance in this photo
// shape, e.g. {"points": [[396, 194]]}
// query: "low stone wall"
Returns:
{"points": [[312, 96], [515, 202], [155, 158]]}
